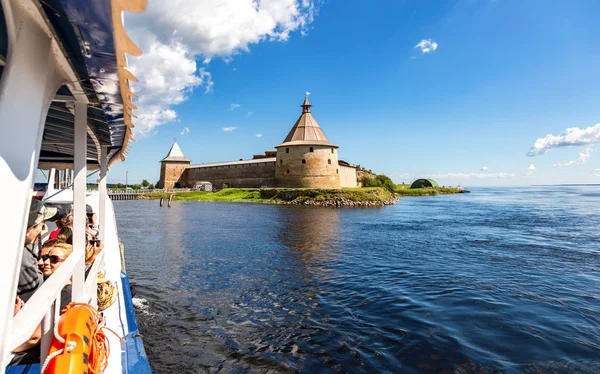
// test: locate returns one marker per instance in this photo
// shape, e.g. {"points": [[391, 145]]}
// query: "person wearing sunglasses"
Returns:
{"points": [[54, 252]]}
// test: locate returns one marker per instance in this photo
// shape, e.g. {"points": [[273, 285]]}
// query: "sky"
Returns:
{"points": [[471, 92]]}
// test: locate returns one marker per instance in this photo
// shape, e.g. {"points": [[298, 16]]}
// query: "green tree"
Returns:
{"points": [[385, 182], [136, 186], [379, 181], [150, 186], [145, 183], [118, 185], [369, 182]]}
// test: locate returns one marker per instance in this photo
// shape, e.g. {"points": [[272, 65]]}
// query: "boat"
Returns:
{"points": [[66, 108]]}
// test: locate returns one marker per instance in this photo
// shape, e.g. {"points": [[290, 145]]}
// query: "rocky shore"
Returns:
{"points": [[343, 202], [347, 197]]}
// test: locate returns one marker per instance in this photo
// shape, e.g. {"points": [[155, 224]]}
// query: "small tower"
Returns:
{"points": [[306, 158], [173, 167]]}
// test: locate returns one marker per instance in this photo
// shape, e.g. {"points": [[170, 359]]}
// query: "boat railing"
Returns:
{"points": [[44, 305]]}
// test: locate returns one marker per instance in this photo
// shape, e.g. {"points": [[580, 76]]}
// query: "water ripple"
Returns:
{"points": [[500, 280]]}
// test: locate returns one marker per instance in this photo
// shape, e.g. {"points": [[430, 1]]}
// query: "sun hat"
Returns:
{"points": [[107, 292], [38, 212]]}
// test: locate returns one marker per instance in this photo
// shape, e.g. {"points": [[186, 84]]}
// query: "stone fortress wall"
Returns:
{"points": [[239, 174], [348, 177]]}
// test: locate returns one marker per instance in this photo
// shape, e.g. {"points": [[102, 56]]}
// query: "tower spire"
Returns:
{"points": [[306, 105]]}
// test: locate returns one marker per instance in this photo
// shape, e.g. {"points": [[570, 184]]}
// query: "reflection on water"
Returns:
{"points": [[499, 280], [310, 235]]}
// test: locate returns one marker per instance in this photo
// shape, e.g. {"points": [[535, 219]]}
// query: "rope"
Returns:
{"points": [[70, 347]]}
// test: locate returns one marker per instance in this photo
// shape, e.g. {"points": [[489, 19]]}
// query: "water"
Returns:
{"points": [[499, 280]]}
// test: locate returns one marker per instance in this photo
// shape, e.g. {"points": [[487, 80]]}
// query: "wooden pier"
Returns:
{"points": [[135, 194]]}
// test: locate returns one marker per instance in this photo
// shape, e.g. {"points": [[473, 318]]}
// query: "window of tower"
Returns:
{"points": [[287, 150], [280, 162], [288, 171], [337, 171], [331, 150], [303, 161], [329, 161], [311, 149]]}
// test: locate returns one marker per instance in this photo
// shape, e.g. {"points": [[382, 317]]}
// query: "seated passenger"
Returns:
{"points": [[92, 249], [66, 235], [92, 220], [30, 277], [61, 221], [54, 253]]}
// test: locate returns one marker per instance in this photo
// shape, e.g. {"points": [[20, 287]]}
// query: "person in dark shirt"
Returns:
{"points": [[30, 277]]}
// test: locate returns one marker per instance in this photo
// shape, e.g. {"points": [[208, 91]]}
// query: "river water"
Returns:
{"points": [[499, 280]]}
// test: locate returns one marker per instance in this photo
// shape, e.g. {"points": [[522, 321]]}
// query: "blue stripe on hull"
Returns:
{"points": [[134, 359]]}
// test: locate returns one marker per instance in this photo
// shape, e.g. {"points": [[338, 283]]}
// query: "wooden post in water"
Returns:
{"points": [[161, 201], [170, 198]]}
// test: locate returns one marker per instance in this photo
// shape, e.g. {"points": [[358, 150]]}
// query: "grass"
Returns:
{"points": [[405, 190], [279, 195]]}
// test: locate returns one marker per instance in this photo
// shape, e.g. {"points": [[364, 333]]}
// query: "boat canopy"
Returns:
{"points": [[91, 36], [65, 103]]}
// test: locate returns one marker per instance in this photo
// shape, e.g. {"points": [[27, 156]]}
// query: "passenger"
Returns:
{"points": [[92, 249], [30, 276], [66, 235], [92, 220], [54, 253], [60, 223]]}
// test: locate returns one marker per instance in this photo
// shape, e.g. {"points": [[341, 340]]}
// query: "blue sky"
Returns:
{"points": [[504, 74]]}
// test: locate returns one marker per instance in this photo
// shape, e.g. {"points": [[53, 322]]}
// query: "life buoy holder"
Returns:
{"points": [[79, 344]]}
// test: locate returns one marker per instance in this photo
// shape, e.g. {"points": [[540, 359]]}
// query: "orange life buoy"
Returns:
{"points": [[79, 345]]}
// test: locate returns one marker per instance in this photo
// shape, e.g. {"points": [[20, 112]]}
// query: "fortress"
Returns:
{"points": [[305, 159]]}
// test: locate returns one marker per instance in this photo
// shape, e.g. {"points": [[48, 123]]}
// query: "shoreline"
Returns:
{"points": [[346, 197]]}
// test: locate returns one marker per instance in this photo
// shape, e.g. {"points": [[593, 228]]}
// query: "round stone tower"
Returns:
{"points": [[306, 158]]}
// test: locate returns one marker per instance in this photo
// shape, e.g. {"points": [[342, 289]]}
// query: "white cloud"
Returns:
{"points": [[571, 136], [175, 34], [529, 171], [583, 158], [233, 106], [259, 135], [597, 172], [185, 131], [249, 114], [426, 46], [229, 129], [484, 168], [473, 175]]}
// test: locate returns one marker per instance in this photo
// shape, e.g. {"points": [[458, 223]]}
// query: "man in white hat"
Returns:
{"points": [[30, 276]]}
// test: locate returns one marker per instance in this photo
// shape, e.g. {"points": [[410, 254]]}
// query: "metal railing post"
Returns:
{"points": [[103, 192], [29, 82], [79, 190]]}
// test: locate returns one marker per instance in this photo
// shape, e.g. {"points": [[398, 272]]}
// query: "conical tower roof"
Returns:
{"points": [[306, 131], [175, 154]]}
